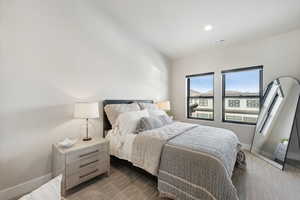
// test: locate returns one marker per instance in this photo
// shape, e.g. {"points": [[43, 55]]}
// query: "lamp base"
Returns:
{"points": [[87, 139]]}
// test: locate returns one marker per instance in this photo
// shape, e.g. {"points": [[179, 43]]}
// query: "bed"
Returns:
{"points": [[190, 161]]}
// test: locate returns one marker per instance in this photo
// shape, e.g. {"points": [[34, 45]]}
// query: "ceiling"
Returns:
{"points": [[175, 27]]}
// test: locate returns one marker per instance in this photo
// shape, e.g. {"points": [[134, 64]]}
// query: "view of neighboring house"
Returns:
{"points": [[243, 107], [202, 104]]}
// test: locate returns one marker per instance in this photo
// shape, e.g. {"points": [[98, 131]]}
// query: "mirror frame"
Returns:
{"points": [[278, 165]]}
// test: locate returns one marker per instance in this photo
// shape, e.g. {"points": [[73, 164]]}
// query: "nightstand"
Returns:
{"points": [[81, 162]]}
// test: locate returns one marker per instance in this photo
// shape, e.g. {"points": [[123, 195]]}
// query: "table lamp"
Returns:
{"points": [[86, 111], [164, 105]]}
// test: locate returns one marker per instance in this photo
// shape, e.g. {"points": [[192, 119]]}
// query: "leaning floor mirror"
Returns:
{"points": [[276, 138]]}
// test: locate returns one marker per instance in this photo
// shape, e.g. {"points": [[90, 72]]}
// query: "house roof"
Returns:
{"points": [[195, 93]]}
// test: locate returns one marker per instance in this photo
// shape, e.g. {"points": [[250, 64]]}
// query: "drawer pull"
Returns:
{"points": [[86, 154], [88, 164], [88, 173]]}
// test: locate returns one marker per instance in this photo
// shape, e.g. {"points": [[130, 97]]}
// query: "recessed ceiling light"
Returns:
{"points": [[208, 27], [220, 41]]}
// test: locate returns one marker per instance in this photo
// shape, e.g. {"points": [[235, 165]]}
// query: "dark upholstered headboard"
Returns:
{"points": [[106, 123]]}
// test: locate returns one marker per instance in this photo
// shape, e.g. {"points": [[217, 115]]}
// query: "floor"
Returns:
{"points": [[260, 181]]}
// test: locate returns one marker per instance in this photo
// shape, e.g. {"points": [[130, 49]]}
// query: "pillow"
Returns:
{"points": [[127, 122], [148, 106], [48, 191], [158, 112], [114, 110], [149, 123], [165, 119]]}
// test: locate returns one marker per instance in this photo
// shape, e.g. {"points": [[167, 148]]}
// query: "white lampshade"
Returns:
{"points": [[86, 110], [164, 105]]}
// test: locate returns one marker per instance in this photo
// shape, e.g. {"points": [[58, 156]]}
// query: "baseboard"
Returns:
{"points": [[246, 146], [23, 188]]}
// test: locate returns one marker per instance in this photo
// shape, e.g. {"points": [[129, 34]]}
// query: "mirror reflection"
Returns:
{"points": [[293, 154], [276, 120]]}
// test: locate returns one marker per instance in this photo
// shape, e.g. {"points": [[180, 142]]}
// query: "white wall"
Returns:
{"points": [[279, 55], [52, 54]]}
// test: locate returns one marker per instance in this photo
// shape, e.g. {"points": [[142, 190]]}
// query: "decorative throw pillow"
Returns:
{"points": [[127, 122], [148, 106], [114, 110], [48, 191], [165, 119], [149, 123]]}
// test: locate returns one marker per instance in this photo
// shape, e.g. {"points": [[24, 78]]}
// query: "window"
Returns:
{"points": [[233, 103], [242, 90], [203, 102], [252, 103], [233, 117], [200, 96]]}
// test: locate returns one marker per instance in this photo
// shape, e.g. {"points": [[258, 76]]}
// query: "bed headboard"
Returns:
{"points": [[106, 123]]}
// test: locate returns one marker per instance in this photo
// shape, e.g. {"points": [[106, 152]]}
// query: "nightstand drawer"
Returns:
{"points": [[75, 166], [84, 153], [86, 173]]}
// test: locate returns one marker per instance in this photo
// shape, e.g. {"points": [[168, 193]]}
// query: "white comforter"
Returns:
{"points": [[120, 145], [144, 149]]}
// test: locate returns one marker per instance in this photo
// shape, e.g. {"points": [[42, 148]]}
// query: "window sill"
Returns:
{"points": [[195, 118], [240, 123]]}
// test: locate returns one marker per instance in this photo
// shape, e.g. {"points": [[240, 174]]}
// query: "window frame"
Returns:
{"points": [[188, 95], [274, 100], [260, 96]]}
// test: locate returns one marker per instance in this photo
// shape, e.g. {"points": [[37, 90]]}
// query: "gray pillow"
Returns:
{"points": [[149, 123], [165, 119]]}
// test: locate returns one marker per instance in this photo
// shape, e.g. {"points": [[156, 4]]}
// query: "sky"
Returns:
{"points": [[202, 83], [244, 81]]}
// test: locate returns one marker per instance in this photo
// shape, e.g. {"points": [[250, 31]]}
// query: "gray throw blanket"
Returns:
{"points": [[148, 145], [192, 161]]}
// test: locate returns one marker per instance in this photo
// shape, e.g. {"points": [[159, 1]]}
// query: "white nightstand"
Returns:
{"points": [[81, 162]]}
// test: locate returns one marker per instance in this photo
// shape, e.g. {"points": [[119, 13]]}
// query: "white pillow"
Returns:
{"points": [[114, 110], [127, 122], [148, 106], [48, 191], [158, 112]]}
